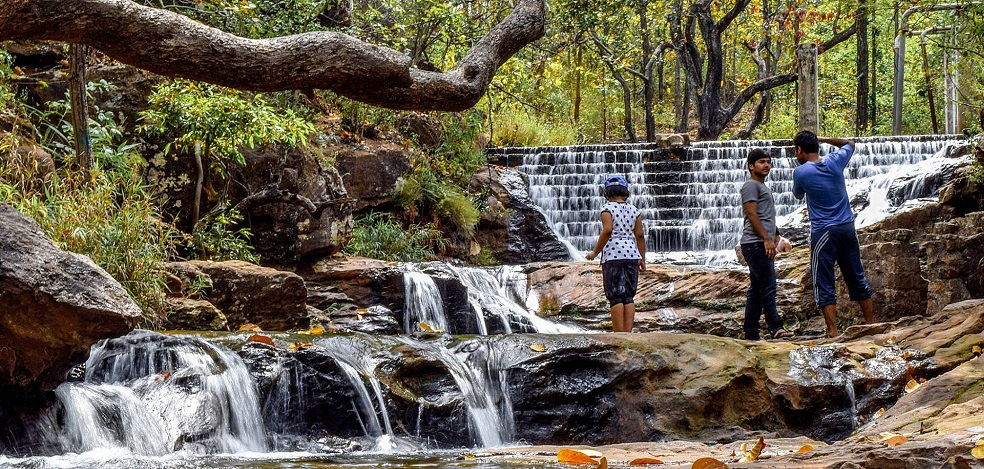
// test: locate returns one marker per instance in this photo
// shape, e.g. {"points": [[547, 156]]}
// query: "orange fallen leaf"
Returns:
{"points": [[261, 339], [756, 451], [708, 463], [644, 461], [571, 456], [603, 464], [896, 440], [805, 449], [317, 330], [250, 327], [912, 385]]}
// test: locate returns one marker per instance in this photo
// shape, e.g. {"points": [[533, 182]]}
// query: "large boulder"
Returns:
{"points": [[512, 229], [285, 232], [53, 306], [371, 174], [241, 293]]}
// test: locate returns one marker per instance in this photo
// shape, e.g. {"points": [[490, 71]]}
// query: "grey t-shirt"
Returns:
{"points": [[754, 191]]}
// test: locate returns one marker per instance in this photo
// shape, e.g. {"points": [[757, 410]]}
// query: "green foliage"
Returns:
{"points": [[519, 129], [7, 94], [379, 236], [258, 18], [219, 120], [218, 239], [113, 221]]}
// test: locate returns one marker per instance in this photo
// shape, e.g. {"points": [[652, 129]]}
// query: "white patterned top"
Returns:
{"points": [[622, 244]]}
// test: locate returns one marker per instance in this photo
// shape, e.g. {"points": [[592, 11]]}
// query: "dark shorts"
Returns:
{"points": [[837, 245], [621, 280]]}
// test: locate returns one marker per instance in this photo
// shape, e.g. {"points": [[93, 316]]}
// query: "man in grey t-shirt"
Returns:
{"points": [[758, 245]]}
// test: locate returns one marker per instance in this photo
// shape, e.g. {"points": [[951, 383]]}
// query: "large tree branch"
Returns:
{"points": [[169, 44]]}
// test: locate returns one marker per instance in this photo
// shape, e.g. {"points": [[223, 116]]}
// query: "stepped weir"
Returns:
{"points": [[688, 196]]}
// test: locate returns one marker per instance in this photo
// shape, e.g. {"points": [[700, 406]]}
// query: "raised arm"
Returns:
{"points": [[837, 142]]}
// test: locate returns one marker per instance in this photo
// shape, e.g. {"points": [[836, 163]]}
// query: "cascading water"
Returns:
{"points": [[355, 359], [422, 304], [151, 394], [477, 369], [487, 294], [494, 308], [692, 203]]}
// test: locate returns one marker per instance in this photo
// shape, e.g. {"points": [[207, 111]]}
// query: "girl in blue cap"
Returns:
{"points": [[622, 246]]}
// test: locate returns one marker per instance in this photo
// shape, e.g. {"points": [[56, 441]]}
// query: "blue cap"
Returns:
{"points": [[615, 180]]}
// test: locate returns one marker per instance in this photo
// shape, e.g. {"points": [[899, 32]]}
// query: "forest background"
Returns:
{"points": [[605, 71]]}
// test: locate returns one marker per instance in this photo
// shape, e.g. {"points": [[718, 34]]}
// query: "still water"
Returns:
{"points": [[112, 459]]}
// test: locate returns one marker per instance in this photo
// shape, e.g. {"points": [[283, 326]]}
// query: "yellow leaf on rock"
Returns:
{"points": [[249, 327], [805, 449], [317, 330], [470, 456], [977, 350], [644, 461], [912, 385], [753, 454], [978, 450], [571, 456], [538, 347], [708, 463], [896, 440], [428, 328]]}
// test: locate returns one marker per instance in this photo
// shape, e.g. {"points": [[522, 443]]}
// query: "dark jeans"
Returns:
{"points": [[761, 297]]}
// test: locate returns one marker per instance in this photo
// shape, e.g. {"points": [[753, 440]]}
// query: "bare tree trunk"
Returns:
{"points": [[80, 108], [577, 82], [861, 115]]}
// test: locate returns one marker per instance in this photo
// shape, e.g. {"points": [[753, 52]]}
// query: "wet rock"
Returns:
{"points": [[512, 230]]}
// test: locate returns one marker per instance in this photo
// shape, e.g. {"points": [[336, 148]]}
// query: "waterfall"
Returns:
{"points": [[690, 202], [354, 357], [478, 371], [422, 303], [152, 394], [488, 293], [497, 298]]}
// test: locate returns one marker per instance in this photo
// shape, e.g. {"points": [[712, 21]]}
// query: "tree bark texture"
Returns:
{"points": [[170, 44], [80, 106], [861, 116]]}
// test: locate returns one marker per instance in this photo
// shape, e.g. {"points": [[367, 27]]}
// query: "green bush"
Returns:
{"points": [[217, 239], [379, 236], [519, 129], [113, 221]]}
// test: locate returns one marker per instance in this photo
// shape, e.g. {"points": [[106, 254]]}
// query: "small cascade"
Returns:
{"points": [[478, 372], [503, 296], [691, 202], [422, 303], [152, 394], [497, 301], [355, 359]]}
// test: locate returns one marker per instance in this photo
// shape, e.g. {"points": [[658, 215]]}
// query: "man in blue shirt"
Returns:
{"points": [[832, 234]]}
